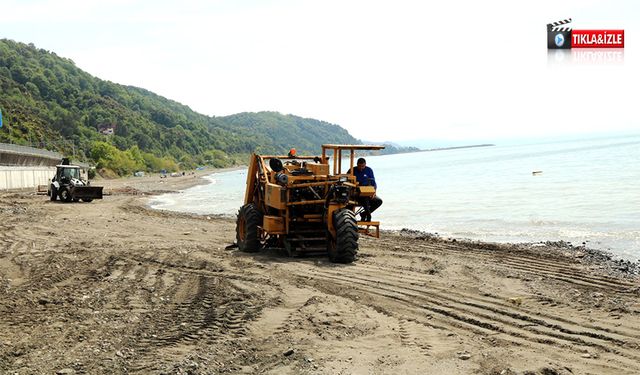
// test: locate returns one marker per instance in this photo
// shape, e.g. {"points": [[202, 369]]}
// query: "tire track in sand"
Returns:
{"points": [[559, 269], [480, 317]]}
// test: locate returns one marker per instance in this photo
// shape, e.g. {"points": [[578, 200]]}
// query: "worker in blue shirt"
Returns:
{"points": [[364, 176]]}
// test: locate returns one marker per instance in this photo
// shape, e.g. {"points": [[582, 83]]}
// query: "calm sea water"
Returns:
{"points": [[588, 191]]}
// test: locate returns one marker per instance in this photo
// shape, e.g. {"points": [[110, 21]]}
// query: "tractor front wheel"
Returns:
{"points": [[65, 195], [54, 193], [249, 218], [344, 247]]}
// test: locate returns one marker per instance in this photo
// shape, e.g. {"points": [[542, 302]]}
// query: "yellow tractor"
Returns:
{"points": [[305, 204]]}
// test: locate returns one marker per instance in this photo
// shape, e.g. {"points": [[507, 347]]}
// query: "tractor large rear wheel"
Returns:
{"points": [[344, 247], [249, 218]]}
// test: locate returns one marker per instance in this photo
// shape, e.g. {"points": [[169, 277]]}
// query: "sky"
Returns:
{"points": [[385, 70]]}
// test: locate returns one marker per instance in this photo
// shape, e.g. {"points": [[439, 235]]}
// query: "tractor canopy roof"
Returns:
{"points": [[67, 166], [353, 147]]}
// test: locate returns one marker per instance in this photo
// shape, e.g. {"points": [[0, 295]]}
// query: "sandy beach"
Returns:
{"points": [[113, 287]]}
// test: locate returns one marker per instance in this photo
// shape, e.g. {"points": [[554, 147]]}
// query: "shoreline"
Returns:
{"points": [[148, 185], [614, 264]]}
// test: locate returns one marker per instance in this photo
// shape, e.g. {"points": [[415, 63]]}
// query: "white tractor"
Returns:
{"points": [[69, 186]]}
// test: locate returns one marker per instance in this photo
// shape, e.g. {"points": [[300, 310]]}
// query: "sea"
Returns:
{"points": [[584, 191]]}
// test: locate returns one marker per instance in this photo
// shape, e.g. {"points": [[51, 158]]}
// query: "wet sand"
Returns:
{"points": [[115, 287]]}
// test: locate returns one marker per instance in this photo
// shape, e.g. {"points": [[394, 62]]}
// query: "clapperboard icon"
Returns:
{"points": [[559, 37]]}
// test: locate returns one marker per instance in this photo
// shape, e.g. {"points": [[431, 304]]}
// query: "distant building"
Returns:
{"points": [[107, 129]]}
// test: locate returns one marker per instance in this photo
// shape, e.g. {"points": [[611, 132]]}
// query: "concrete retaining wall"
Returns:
{"points": [[27, 156], [25, 177]]}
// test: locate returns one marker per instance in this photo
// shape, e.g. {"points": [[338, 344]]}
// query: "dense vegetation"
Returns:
{"points": [[48, 102]]}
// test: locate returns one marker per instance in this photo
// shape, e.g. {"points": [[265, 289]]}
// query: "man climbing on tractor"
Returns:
{"points": [[364, 176]]}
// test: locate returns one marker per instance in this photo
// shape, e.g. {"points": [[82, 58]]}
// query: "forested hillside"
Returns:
{"points": [[48, 102]]}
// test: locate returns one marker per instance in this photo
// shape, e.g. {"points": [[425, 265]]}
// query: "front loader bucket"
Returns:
{"points": [[87, 192]]}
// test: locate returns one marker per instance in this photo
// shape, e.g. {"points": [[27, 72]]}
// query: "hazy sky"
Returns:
{"points": [[385, 70]]}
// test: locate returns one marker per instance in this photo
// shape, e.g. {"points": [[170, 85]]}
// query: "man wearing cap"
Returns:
{"points": [[364, 176]]}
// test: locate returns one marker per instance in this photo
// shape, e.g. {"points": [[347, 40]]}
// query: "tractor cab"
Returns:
{"points": [[67, 172]]}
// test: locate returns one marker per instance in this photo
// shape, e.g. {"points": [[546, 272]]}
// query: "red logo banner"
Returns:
{"points": [[597, 39]]}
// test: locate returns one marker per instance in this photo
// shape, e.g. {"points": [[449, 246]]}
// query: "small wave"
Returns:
{"points": [[163, 200]]}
